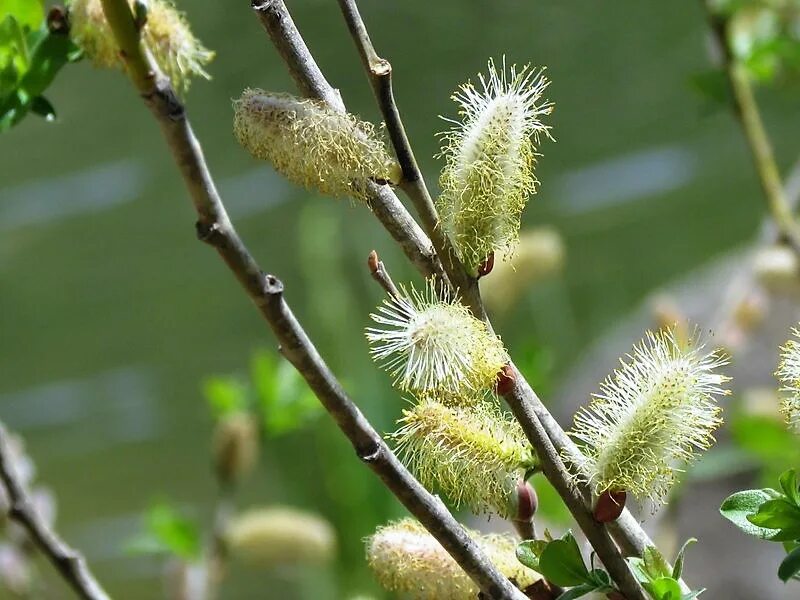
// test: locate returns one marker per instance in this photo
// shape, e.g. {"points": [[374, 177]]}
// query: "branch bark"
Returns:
{"points": [[267, 292], [746, 109], [278, 23], [70, 564]]}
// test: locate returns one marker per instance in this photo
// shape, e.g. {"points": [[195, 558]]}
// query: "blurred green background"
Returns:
{"points": [[111, 313]]}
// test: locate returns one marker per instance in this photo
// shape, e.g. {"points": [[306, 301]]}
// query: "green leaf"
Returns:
{"points": [[285, 400], [28, 13], [655, 564], [677, 570], [664, 588], [788, 483], [577, 591], [166, 530], [528, 553], [561, 562], [778, 513], [737, 507], [790, 565], [225, 395]]}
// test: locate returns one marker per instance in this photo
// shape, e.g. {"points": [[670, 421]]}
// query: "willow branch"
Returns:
{"points": [[278, 23], [68, 562], [267, 292], [746, 109], [276, 20], [379, 72]]}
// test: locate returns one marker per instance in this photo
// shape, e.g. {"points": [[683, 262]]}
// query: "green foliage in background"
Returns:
{"points": [[32, 52]]}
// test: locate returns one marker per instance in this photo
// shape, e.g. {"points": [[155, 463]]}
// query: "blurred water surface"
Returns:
{"points": [[111, 313]]}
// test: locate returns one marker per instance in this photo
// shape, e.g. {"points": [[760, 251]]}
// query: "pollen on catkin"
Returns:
{"points": [[474, 455], [789, 375], [406, 559], [490, 156], [312, 144], [658, 409], [433, 345], [166, 35]]}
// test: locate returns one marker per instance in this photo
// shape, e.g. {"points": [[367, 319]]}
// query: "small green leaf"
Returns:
{"points": [[664, 588], [739, 506], [285, 400], [225, 395], [655, 564], [778, 513], [790, 565], [677, 570], [561, 562], [166, 530], [528, 553], [788, 483], [28, 13]]}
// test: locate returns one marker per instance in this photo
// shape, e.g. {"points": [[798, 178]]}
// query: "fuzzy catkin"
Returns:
{"points": [[789, 375], [474, 455], [405, 558], [657, 409], [311, 144], [433, 346], [490, 156], [166, 34]]}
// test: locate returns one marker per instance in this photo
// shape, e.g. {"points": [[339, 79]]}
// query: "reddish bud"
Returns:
{"points": [[486, 266], [527, 501], [506, 379], [615, 595], [609, 506]]}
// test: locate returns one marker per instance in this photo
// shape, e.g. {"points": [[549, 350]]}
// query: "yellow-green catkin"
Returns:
{"points": [[406, 559], [279, 535], [789, 375], [474, 455], [490, 156], [166, 35], [312, 144], [433, 346], [657, 410]]}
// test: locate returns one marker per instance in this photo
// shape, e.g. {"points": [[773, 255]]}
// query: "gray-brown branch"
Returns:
{"points": [[527, 407], [267, 292], [68, 562], [280, 27]]}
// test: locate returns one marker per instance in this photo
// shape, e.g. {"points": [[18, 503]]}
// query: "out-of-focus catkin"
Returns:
{"points": [[165, 34], [278, 535]]}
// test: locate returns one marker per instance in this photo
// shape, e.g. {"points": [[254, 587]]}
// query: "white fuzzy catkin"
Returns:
{"points": [[434, 346], [490, 155], [474, 455], [407, 559], [657, 409], [311, 144], [166, 34]]}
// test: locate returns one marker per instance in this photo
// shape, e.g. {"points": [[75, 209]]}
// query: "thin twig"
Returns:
{"points": [[278, 23], [746, 109], [266, 291], [69, 563], [379, 72], [379, 273]]}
